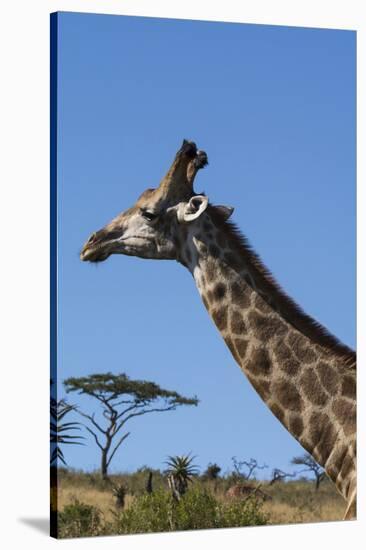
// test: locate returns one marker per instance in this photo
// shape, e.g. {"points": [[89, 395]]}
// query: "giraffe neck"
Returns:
{"points": [[304, 384]]}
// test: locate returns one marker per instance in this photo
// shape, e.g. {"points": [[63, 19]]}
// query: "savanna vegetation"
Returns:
{"points": [[90, 505], [180, 497]]}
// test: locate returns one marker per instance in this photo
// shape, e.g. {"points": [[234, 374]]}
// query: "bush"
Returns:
{"points": [[243, 513], [197, 509], [147, 514], [212, 471], [79, 520]]}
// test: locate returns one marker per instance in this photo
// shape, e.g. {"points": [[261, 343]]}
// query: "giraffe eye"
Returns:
{"points": [[150, 216]]}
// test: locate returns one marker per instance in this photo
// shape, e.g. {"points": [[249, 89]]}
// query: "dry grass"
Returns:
{"points": [[299, 502], [291, 502], [281, 513], [100, 499]]}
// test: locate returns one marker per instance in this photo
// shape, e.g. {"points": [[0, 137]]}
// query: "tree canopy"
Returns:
{"points": [[108, 387], [310, 466], [121, 399]]}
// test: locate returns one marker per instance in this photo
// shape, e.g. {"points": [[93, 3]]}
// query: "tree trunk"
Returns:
{"points": [[104, 467], [149, 487], [105, 451]]}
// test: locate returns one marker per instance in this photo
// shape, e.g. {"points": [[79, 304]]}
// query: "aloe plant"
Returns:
{"points": [[60, 432], [180, 473]]}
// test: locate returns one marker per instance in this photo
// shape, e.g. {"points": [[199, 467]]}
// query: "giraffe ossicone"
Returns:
{"points": [[305, 375]]}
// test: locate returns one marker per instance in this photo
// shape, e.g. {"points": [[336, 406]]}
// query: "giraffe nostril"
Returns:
{"points": [[92, 238]]}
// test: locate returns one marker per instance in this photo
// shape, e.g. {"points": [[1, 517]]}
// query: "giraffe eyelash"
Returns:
{"points": [[150, 216]]}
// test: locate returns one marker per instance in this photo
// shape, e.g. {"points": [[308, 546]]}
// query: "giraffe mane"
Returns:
{"points": [[268, 286]]}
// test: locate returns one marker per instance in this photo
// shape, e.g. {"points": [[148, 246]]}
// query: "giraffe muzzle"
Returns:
{"points": [[98, 246]]}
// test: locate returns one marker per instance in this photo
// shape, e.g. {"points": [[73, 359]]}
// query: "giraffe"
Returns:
{"points": [[305, 375]]}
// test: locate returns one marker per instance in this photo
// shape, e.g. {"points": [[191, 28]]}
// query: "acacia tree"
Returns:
{"points": [[279, 475], [121, 399], [310, 466], [250, 465]]}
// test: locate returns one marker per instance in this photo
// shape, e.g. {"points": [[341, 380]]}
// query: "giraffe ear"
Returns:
{"points": [[225, 211], [193, 208]]}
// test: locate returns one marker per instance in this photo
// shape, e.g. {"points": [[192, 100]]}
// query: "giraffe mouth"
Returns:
{"points": [[99, 246], [94, 254], [98, 251]]}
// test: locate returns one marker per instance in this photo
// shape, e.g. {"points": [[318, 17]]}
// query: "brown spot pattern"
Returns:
{"points": [[259, 362], [237, 324], [316, 422], [241, 347], [219, 291], [301, 347], [349, 387], [220, 317], [288, 395], [290, 367], [210, 270], [322, 434], [240, 295], [345, 412], [334, 465], [285, 359], [329, 377], [266, 327], [282, 352], [202, 248], [296, 425], [312, 389], [226, 272]]}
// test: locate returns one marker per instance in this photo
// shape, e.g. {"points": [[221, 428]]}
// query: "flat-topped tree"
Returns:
{"points": [[121, 399], [305, 375], [310, 466]]}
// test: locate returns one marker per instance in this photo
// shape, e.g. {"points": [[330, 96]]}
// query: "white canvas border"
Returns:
{"points": [[24, 222]]}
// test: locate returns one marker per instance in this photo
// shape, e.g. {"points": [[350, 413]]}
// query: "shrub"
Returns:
{"points": [[79, 520], [147, 514], [243, 513], [197, 509], [212, 471]]}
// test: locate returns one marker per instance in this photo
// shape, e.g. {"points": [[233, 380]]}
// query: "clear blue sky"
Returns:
{"points": [[274, 107]]}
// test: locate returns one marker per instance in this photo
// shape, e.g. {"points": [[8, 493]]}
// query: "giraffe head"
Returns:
{"points": [[158, 224]]}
